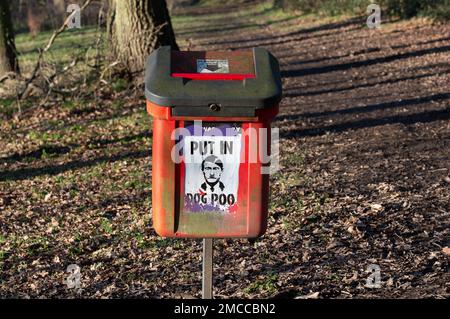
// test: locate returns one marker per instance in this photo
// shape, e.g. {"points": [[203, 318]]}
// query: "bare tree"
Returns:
{"points": [[8, 57], [136, 28]]}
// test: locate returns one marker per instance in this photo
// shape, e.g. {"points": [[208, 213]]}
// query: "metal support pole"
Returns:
{"points": [[207, 272]]}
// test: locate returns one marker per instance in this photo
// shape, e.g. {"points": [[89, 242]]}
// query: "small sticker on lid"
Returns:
{"points": [[212, 66]]}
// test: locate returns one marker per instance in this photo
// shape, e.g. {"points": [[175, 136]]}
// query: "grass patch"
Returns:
{"points": [[38, 245], [267, 285], [7, 107], [119, 85], [163, 243], [329, 7], [68, 45], [106, 226]]}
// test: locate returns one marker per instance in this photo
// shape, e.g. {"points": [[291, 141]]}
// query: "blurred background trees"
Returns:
{"points": [[35, 16], [402, 8], [8, 57], [410, 8]]}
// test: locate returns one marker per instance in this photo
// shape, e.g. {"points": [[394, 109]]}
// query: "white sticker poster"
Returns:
{"points": [[212, 66], [212, 158]]}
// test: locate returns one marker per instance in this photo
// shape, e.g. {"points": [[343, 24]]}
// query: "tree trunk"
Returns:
{"points": [[34, 17], [8, 58], [59, 13], [60, 6], [136, 28]]}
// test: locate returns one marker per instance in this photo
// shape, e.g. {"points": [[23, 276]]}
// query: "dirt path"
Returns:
{"points": [[365, 142], [365, 123]]}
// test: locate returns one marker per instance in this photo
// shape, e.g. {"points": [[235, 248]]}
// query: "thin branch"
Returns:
{"points": [[9, 75], [47, 47]]}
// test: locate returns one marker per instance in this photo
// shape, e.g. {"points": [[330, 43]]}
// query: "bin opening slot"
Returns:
{"points": [[213, 77], [204, 65]]}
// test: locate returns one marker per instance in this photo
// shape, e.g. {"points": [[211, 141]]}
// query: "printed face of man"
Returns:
{"points": [[212, 172]]}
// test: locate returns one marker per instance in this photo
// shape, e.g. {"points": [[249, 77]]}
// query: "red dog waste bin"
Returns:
{"points": [[212, 113]]}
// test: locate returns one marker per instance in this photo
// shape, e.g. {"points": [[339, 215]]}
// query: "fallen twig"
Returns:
{"points": [[9, 75]]}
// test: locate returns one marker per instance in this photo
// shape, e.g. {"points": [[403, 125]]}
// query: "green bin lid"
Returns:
{"points": [[207, 83]]}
